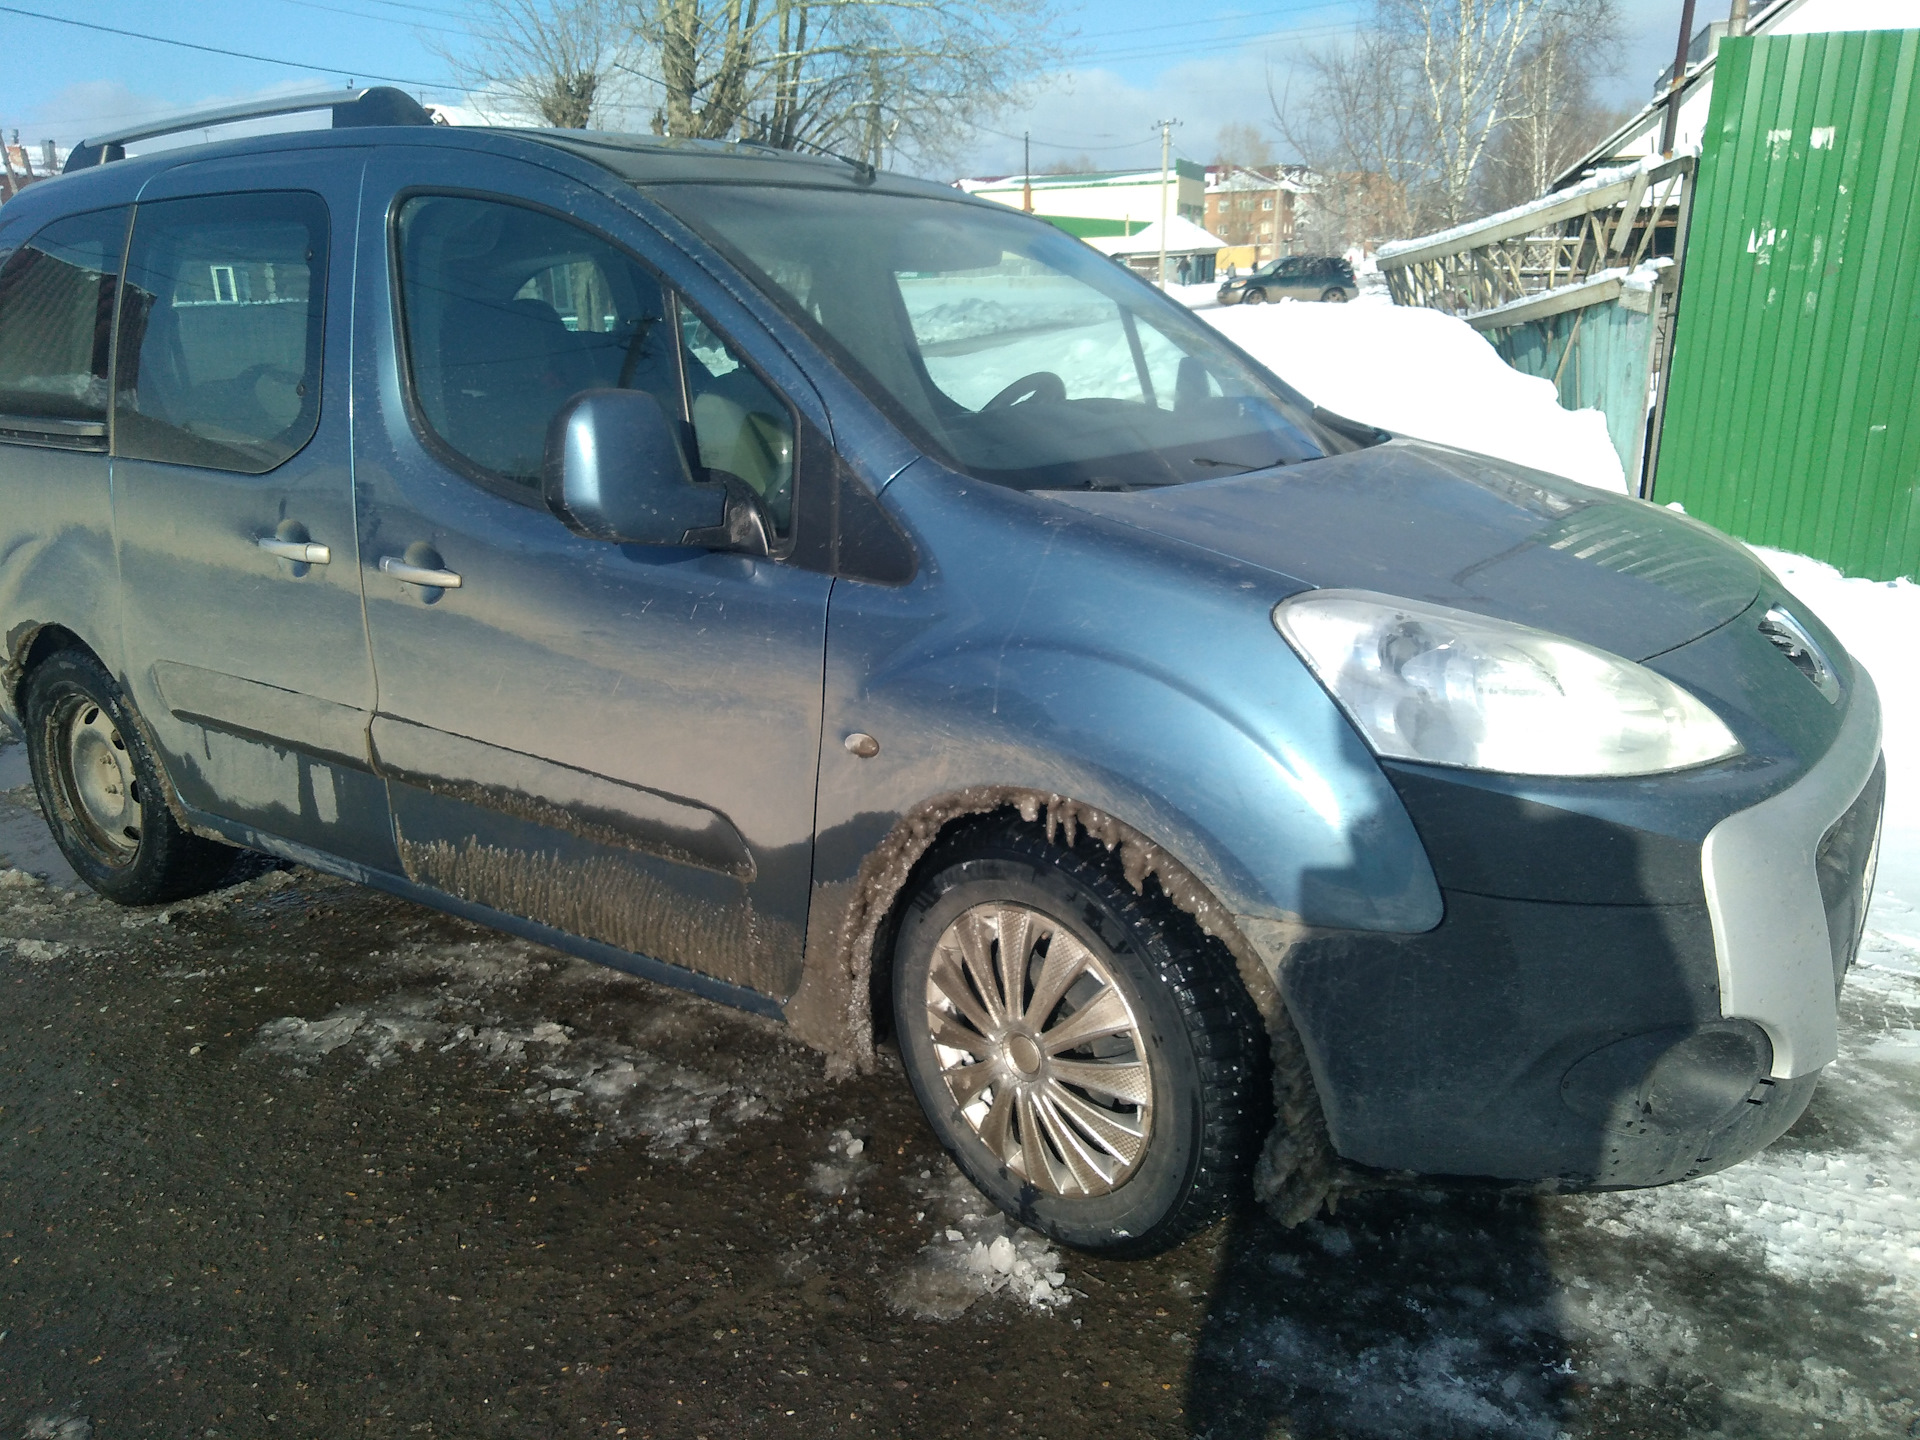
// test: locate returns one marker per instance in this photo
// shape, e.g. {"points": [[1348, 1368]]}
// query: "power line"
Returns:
{"points": [[1308, 32], [1221, 19], [1060, 145], [381, 19], [217, 50]]}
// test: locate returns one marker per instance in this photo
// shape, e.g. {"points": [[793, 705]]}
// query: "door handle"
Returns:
{"points": [[418, 574], [301, 552]]}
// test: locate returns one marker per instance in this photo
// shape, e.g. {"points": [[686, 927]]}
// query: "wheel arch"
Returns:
{"points": [[844, 984], [32, 645]]}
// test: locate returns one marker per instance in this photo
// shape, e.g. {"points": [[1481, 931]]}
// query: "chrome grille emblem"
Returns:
{"points": [[1790, 638]]}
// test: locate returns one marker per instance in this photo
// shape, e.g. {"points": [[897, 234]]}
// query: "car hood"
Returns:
{"points": [[1429, 523]]}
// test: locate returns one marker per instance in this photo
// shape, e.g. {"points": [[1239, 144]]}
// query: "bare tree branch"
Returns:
{"points": [[552, 60], [1407, 121]]}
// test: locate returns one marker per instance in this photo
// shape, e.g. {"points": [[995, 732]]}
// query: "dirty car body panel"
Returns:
{"points": [[718, 763]]}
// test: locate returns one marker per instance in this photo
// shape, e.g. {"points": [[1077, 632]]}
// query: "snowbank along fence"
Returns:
{"points": [[1793, 418]]}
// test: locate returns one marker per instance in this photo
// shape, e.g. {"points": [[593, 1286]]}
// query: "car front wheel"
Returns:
{"points": [[1255, 297], [1085, 1053]]}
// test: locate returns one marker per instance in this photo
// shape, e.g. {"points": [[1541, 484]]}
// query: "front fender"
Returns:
{"points": [[1272, 802]]}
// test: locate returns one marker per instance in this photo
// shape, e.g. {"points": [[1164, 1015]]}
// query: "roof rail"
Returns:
{"points": [[377, 105]]}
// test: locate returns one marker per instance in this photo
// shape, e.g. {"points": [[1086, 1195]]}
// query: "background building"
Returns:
{"points": [[1108, 202], [1253, 210]]}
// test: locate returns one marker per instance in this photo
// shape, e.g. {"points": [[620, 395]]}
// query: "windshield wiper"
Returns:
{"points": [[1242, 466]]}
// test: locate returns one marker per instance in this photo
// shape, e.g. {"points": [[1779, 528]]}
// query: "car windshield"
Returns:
{"points": [[1005, 347]]}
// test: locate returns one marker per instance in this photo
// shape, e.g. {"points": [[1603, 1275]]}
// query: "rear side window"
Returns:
{"points": [[56, 324], [510, 312], [221, 320]]}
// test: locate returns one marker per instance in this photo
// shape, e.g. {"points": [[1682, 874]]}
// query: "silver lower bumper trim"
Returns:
{"points": [[1763, 893]]}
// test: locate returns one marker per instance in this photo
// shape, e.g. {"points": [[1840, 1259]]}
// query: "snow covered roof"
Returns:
{"points": [[1182, 169], [1247, 177], [1183, 238]]}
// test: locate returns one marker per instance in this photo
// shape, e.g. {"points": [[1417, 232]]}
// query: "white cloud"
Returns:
{"points": [[90, 107]]}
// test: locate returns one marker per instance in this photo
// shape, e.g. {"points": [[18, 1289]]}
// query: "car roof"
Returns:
{"points": [[640, 160]]}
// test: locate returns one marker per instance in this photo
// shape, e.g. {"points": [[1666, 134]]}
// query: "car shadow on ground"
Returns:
{"points": [[1409, 1314]]}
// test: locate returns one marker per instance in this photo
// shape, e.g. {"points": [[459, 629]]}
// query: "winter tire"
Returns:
{"points": [[101, 791], [1085, 1053], [1254, 297], [1333, 295]]}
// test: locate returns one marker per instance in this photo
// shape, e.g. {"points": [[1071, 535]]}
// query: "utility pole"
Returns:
{"points": [[1737, 18], [1026, 171], [1679, 80], [1166, 149]]}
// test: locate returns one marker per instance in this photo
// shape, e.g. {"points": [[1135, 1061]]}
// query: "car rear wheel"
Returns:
{"points": [[1333, 295], [101, 791], [1086, 1054], [1254, 297]]}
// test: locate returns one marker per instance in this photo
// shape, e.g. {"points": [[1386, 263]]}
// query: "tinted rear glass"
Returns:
{"points": [[56, 318]]}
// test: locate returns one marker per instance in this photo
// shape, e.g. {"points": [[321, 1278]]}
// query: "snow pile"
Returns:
{"points": [[1421, 373], [845, 1169], [621, 1089], [975, 1252], [958, 1269], [41, 951]]}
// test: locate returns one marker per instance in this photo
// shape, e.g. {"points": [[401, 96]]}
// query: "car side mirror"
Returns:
{"points": [[615, 469]]}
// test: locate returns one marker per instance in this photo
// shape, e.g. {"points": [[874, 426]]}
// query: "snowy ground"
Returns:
{"points": [[297, 1158]]}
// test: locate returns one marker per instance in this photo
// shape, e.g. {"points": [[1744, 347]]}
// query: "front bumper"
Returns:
{"points": [[1633, 983], [1782, 939]]}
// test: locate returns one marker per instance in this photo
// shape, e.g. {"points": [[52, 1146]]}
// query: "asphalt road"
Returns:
{"points": [[301, 1160]]}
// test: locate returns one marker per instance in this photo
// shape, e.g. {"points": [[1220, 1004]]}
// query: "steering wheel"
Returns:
{"points": [[248, 380], [1040, 385]]}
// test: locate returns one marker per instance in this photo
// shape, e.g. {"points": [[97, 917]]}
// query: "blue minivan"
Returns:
{"points": [[869, 606]]}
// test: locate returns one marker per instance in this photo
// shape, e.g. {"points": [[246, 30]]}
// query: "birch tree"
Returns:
{"points": [[1553, 117], [1421, 97], [1466, 58]]}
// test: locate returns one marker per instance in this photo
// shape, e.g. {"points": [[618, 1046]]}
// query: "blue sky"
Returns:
{"points": [[1134, 61]]}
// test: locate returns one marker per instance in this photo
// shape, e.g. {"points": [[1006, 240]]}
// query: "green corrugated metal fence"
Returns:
{"points": [[1793, 414]]}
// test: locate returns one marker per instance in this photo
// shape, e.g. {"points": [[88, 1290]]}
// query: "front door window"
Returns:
{"points": [[510, 312]]}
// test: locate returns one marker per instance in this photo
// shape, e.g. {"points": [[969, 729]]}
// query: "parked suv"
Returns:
{"points": [[868, 606], [1292, 277]]}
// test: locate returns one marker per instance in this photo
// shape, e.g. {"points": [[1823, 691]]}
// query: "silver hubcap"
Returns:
{"points": [[101, 780], [1040, 1050]]}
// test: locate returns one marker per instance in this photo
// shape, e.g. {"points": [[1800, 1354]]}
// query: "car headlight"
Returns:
{"points": [[1447, 687]]}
